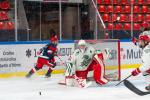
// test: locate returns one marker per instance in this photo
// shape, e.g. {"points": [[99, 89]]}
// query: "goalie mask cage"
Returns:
{"points": [[112, 64]]}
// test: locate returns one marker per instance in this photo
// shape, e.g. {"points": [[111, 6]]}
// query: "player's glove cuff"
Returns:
{"points": [[136, 72], [134, 40]]}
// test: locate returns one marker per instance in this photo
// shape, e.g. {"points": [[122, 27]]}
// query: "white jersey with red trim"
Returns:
{"points": [[83, 61], [145, 59], [82, 58]]}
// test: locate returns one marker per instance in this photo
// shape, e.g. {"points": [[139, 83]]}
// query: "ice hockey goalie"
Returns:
{"points": [[83, 60]]}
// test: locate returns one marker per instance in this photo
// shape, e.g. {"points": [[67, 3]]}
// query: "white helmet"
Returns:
{"points": [[81, 42]]}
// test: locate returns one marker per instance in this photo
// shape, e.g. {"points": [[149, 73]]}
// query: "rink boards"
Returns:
{"points": [[17, 58]]}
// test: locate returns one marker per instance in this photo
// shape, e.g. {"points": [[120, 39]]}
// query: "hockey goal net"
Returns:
{"points": [[112, 64]]}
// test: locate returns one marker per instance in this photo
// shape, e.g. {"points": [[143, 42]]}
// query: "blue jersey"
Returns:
{"points": [[48, 51]]}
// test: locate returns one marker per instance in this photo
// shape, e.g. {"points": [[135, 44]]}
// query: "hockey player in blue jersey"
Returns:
{"points": [[46, 57]]}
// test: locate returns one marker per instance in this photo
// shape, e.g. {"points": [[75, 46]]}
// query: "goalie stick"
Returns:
{"points": [[134, 89]]}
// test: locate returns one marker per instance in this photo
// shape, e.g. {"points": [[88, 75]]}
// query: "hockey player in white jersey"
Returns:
{"points": [[144, 43], [83, 60]]}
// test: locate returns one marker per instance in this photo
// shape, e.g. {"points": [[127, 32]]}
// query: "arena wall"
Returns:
{"points": [[16, 59]]}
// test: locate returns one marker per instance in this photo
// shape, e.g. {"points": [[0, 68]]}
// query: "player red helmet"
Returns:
{"points": [[54, 39], [144, 38]]}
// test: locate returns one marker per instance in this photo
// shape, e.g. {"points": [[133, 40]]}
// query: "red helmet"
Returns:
{"points": [[54, 38], [144, 38]]}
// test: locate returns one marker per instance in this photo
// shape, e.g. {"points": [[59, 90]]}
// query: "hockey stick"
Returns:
{"points": [[59, 58], [62, 62], [134, 89], [123, 80]]}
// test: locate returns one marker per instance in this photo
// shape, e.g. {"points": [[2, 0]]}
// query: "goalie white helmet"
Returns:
{"points": [[81, 43]]}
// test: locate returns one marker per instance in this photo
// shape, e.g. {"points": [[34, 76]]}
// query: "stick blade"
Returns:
{"points": [[134, 89]]}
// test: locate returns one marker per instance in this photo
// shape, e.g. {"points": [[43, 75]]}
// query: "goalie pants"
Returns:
{"points": [[97, 66]]}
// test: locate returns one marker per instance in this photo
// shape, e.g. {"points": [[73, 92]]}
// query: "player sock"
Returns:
{"points": [[48, 74], [29, 74]]}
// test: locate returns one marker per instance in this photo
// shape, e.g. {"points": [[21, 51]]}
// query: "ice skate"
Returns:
{"points": [[48, 74], [30, 73], [147, 88]]}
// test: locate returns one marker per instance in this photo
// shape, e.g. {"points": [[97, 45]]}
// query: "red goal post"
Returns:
{"points": [[112, 65]]}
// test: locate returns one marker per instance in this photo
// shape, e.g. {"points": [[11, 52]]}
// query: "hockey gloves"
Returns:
{"points": [[134, 40], [136, 72], [147, 72]]}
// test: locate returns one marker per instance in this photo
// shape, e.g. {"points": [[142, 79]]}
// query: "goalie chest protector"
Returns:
{"points": [[83, 59]]}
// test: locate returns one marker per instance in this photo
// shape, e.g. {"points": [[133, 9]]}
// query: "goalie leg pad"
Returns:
{"points": [[75, 81], [79, 81], [82, 74], [69, 69], [69, 80], [98, 69]]}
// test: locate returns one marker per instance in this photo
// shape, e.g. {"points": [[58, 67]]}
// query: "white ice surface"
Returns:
{"points": [[28, 89]]}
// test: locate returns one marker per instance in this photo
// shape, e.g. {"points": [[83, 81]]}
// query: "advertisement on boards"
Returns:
{"points": [[22, 57], [130, 54]]}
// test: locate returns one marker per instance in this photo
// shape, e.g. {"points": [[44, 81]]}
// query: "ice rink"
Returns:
{"points": [[28, 89]]}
